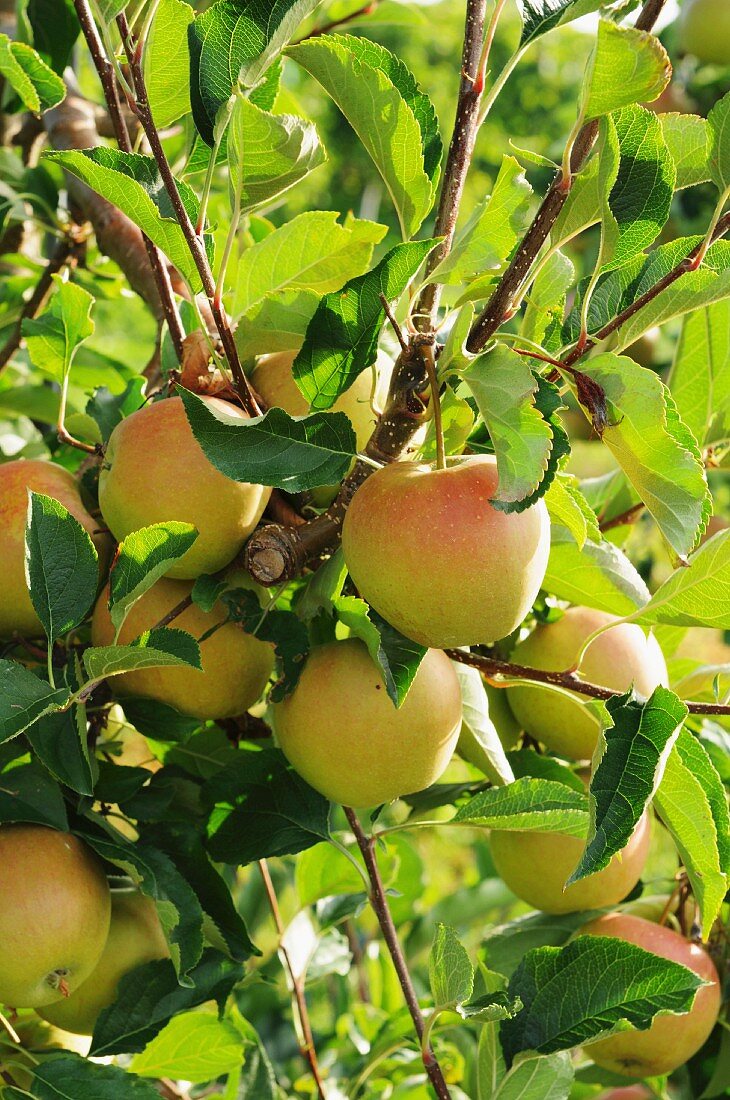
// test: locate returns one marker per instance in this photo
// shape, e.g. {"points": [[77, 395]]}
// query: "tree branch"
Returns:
{"points": [[194, 242], [326, 28], [307, 1050], [490, 667], [379, 902]]}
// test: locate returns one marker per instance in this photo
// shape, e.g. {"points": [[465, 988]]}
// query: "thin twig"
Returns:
{"points": [[307, 1049], [193, 240], [325, 28], [379, 902], [111, 93], [491, 667], [172, 614], [624, 519]]}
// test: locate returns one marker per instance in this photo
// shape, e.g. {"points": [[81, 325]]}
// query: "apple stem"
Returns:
{"points": [[430, 362]]}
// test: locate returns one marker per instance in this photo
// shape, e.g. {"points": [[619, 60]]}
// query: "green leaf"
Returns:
{"points": [[479, 727], [540, 804], [167, 62], [540, 16], [507, 944], [323, 872], [34, 82], [630, 763], [163, 647], [261, 808], [62, 566], [267, 154], [292, 453], [627, 66], [365, 83], [538, 1078], [282, 628], [590, 988], [24, 698], [504, 388], [342, 337], [60, 743], [233, 43], [700, 378], [658, 454], [546, 301], [451, 974], [310, 252], [570, 509], [698, 595], [143, 557], [599, 575], [491, 232], [692, 803], [718, 121], [397, 657], [54, 337], [132, 182], [149, 997], [68, 1075], [109, 409], [29, 795], [195, 1046], [277, 323], [55, 29], [688, 139]]}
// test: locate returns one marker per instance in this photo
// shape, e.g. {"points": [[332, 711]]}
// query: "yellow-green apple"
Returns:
{"points": [[17, 479], [671, 1040], [235, 668], [154, 470], [620, 657], [54, 914], [536, 866], [135, 938], [341, 732], [704, 30], [428, 551]]}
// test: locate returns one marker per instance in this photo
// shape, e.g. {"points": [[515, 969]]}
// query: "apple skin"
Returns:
{"points": [[17, 613], [236, 666], [671, 1040], [154, 470], [537, 865], [704, 30], [342, 733], [135, 938], [54, 914], [427, 550], [616, 659]]}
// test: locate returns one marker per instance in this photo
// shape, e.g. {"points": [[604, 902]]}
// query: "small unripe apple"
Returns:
{"points": [[671, 1040], [341, 732], [622, 656], [537, 865], [17, 479], [154, 470], [54, 914], [429, 552], [135, 938], [235, 668], [704, 30]]}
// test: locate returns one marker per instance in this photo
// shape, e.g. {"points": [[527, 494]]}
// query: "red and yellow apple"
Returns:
{"points": [[704, 30], [54, 914], [155, 470], [620, 657], [342, 733], [428, 551], [236, 666]]}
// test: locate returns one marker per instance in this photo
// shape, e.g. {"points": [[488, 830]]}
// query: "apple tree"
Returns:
{"points": [[365, 557]]}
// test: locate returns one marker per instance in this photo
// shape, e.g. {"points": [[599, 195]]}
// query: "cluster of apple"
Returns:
{"points": [[431, 555]]}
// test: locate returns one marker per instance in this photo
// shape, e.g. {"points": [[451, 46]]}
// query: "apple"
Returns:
{"points": [[428, 551], [236, 666], [631, 1092], [704, 30], [671, 1040], [154, 470], [135, 938], [17, 479], [622, 656], [342, 733], [536, 866], [54, 914]]}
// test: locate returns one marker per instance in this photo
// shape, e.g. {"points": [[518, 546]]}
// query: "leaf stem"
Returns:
{"points": [[63, 435], [430, 361]]}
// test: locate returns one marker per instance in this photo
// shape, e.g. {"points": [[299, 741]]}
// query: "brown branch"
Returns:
{"points": [[325, 28], [379, 902], [111, 93], [65, 254], [624, 519], [490, 667], [172, 614], [307, 1050], [194, 242], [500, 306]]}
